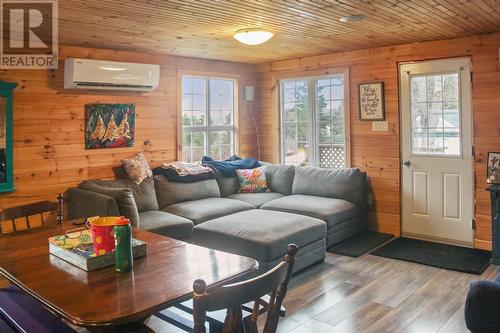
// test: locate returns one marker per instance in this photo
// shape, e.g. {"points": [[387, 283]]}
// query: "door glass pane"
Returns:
{"points": [[435, 114], [330, 122], [295, 115]]}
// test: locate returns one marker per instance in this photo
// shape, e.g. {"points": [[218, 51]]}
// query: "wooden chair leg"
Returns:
{"points": [[252, 323], [234, 321]]}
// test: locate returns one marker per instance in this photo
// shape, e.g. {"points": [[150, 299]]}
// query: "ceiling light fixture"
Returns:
{"points": [[252, 36], [352, 18]]}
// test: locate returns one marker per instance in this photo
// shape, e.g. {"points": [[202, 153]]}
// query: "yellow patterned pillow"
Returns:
{"points": [[252, 180]]}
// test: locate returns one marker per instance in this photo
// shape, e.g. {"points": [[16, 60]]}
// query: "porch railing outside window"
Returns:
{"points": [[313, 121]]}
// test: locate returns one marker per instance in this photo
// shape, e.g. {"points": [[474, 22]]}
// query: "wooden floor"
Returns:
{"points": [[372, 294]]}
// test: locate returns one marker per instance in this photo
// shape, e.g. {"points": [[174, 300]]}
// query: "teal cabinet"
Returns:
{"points": [[6, 158]]}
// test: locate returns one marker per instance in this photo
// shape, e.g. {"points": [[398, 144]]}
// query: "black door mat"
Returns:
{"points": [[361, 243], [444, 256]]}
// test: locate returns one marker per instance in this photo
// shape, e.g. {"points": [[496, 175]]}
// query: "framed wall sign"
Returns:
{"points": [[371, 101], [493, 172]]}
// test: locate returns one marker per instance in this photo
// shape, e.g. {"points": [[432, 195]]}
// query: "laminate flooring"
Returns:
{"points": [[372, 294]]}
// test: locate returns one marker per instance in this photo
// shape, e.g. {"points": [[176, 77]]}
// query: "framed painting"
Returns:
{"points": [[371, 101], [493, 172], [109, 125]]}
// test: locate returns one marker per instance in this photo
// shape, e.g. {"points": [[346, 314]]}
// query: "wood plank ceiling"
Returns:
{"points": [[204, 28]]}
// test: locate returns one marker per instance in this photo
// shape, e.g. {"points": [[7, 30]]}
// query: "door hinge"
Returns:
{"points": [[471, 82], [473, 224], [473, 151]]}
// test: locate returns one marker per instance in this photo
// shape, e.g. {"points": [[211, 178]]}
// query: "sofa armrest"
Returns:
{"points": [[83, 203], [482, 307]]}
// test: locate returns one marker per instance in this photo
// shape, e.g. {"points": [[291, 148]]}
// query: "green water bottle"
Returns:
{"points": [[123, 245]]}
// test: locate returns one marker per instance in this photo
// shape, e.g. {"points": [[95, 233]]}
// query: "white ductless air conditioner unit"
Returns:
{"points": [[110, 75]]}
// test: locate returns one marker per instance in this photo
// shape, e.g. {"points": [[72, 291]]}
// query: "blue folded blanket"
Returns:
{"points": [[227, 168]]}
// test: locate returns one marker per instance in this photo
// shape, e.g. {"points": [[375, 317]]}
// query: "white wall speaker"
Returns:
{"points": [[249, 93]]}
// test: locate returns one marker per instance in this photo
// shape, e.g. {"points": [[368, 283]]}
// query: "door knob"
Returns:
{"points": [[407, 163]]}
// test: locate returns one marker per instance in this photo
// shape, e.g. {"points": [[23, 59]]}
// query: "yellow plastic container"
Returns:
{"points": [[103, 221]]}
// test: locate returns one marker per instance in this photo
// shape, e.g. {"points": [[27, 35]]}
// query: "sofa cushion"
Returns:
{"points": [[169, 193], [123, 197], [256, 199], [332, 211], [144, 194], [348, 184], [228, 185], [280, 177], [259, 234], [166, 224], [203, 210]]}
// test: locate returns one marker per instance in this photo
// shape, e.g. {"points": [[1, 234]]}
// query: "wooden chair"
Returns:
{"points": [[29, 211], [20, 312], [232, 296]]}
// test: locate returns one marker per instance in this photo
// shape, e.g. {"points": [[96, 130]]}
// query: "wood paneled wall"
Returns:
{"points": [[378, 152], [49, 152]]}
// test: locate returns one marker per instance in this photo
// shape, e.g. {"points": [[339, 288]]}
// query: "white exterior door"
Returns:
{"points": [[436, 131]]}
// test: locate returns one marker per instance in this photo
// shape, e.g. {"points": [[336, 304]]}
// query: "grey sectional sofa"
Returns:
{"points": [[311, 207]]}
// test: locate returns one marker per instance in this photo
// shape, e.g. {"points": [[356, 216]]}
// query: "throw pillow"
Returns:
{"points": [[137, 168], [252, 180]]}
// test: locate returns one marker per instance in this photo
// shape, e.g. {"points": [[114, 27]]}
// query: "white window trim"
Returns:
{"points": [[207, 129], [311, 78]]}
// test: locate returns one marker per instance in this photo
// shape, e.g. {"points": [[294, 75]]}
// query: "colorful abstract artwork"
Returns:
{"points": [[109, 125]]}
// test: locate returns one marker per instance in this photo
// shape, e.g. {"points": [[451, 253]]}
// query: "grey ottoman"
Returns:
{"points": [[264, 235]]}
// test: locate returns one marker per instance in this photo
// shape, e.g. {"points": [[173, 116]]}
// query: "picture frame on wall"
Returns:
{"points": [[371, 101], [109, 125], [493, 171]]}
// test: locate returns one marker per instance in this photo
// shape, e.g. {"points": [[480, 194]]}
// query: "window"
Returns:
{"points": [[208, 118], [435, 115], [313, 121]]}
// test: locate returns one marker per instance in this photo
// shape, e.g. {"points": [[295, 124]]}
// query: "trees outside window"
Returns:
{"points": [[208, 112], [313, 121]]}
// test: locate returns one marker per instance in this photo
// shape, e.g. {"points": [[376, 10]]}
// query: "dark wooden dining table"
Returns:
{"points": [[105, 299]]}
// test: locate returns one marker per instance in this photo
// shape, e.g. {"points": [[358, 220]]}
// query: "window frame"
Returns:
{"points": [[207, 129], [312, 77]]}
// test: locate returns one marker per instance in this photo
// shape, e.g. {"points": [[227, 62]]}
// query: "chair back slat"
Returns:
{"points": [[232, 296], [12, 213], [30, 214], [245, 291]]}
